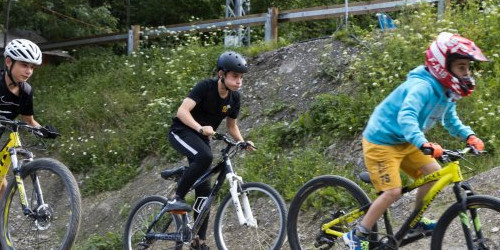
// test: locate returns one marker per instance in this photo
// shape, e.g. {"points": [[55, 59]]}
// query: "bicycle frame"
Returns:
{"points": [[226, 172], [9, 153], [8, 157], [450, 173]]}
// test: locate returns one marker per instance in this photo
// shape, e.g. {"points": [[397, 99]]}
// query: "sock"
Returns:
{"points": [[362, 230]]}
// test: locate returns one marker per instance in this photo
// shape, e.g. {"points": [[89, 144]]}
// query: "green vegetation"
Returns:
{"points": [[114, 110]]}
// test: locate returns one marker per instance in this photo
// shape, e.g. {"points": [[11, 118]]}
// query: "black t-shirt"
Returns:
{"points": [[15, 105], [210, 108]]}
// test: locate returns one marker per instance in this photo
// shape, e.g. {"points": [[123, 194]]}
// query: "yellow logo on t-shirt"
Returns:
{"points": [[225, 108]]}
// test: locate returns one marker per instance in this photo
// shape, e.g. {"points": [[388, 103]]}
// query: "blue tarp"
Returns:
{"points": [[385, 21]]}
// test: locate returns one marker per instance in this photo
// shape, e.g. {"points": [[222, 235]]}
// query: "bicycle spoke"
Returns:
{"points": [[269, 212], [47, 228], [142, 217], [489, 224], [484, 228], [320, 201]]}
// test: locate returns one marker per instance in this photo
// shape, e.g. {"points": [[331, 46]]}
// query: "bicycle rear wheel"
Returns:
{"points": [[321, 200], [54, 222], [140, 220], [449, 233], [268, 209]]}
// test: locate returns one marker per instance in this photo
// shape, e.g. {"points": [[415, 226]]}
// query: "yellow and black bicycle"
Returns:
{"points": [[41, 207], [326, 207]]}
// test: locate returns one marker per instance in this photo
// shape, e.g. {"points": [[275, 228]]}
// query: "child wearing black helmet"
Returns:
{"points": [[198, 117]]}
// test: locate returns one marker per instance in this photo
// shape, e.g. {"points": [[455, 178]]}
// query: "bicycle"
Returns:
{"points": [[332, 205], [251, 215], [41, 207]]}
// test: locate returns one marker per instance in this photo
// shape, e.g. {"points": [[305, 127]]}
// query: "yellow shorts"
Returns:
{"points": [[383, 163]]}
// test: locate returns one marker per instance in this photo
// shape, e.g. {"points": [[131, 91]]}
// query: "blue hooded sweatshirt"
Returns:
{"points": [[412, 109]]}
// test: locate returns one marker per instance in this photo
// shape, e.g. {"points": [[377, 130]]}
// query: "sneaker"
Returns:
{"points": [[355, 242], [178, 204], [424, 226]]}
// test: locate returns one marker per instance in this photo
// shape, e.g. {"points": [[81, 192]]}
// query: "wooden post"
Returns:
{"points": [[134, 35], [441, 8], [271, 26]]}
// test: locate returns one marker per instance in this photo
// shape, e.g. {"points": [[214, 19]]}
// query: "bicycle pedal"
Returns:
{"points": [[416, 235], [178, 212]]}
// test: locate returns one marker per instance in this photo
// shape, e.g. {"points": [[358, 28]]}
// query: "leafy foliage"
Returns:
{"points": [[58, 19]]}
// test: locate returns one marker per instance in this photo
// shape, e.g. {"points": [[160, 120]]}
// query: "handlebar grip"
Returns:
{"points": [[474, 151], [427, 151]]}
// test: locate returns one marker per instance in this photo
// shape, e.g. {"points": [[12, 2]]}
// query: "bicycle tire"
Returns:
{"points": [[268, 209], [320, 200], [140, 219], [59, 221], [448, 233]]}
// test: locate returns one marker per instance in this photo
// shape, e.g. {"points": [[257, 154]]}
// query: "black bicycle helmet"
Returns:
{"points": [[232, 61]]}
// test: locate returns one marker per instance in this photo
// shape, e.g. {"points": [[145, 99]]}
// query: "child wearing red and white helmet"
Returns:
{"points": [[395, 134]]}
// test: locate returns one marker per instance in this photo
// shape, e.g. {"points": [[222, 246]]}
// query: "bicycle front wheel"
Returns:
{"points": [[53, 196], [140, 224], [482, 217], [269, 211], [319, 201]]}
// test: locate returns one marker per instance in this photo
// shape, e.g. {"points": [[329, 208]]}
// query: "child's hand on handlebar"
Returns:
{"points": [[432, 149], [206, 131], [475, 142], [249, 146]]}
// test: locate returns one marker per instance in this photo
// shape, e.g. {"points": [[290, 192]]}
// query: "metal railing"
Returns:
{"points": [[270, 20]]}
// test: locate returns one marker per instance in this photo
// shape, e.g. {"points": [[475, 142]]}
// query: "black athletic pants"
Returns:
{"points": [[199, 154]]}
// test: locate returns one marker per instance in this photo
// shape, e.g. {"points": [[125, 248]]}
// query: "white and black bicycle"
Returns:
{"points": [[251, 216]]}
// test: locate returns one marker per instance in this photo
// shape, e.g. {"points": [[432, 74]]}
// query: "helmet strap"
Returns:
{"points": [[9, 73], [453, 96], [223, 80]]}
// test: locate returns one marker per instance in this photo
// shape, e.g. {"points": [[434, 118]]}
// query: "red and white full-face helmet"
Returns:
{"points": [[442, 51]]}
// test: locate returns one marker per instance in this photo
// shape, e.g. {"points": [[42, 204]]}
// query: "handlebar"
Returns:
{"points": [[14, 125], [454, 155], [230, 142]]}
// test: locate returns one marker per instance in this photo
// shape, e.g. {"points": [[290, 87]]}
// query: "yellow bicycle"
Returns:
{"points": [[41, 207], [326, 207]]}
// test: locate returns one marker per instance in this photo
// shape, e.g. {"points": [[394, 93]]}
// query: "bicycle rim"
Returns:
{"points": [[142, 217], [56, 221], [450, 235], [320, 201], [269, 211]]}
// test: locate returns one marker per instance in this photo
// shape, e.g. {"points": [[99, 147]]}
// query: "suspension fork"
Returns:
{"points": [[464, 219], [16, 169], [245, 215]]}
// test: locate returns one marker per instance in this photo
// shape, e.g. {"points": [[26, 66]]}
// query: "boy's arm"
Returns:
{"points": [[454, 125], [184, 114], [233, 129], [30, 120], [411, 107]]}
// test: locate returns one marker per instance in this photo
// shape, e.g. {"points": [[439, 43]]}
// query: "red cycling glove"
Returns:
{"points": [[475, 142], [433, 149]]}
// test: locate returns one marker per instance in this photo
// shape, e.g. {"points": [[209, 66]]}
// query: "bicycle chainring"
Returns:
{"points": [[326, 241]]}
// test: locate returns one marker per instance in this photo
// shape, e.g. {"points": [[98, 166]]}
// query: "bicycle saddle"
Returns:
{"points": [[365, 177], [173, 174]]}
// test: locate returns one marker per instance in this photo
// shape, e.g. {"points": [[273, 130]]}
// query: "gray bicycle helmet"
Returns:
{"points": [[23, 50], [232, 61]]}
